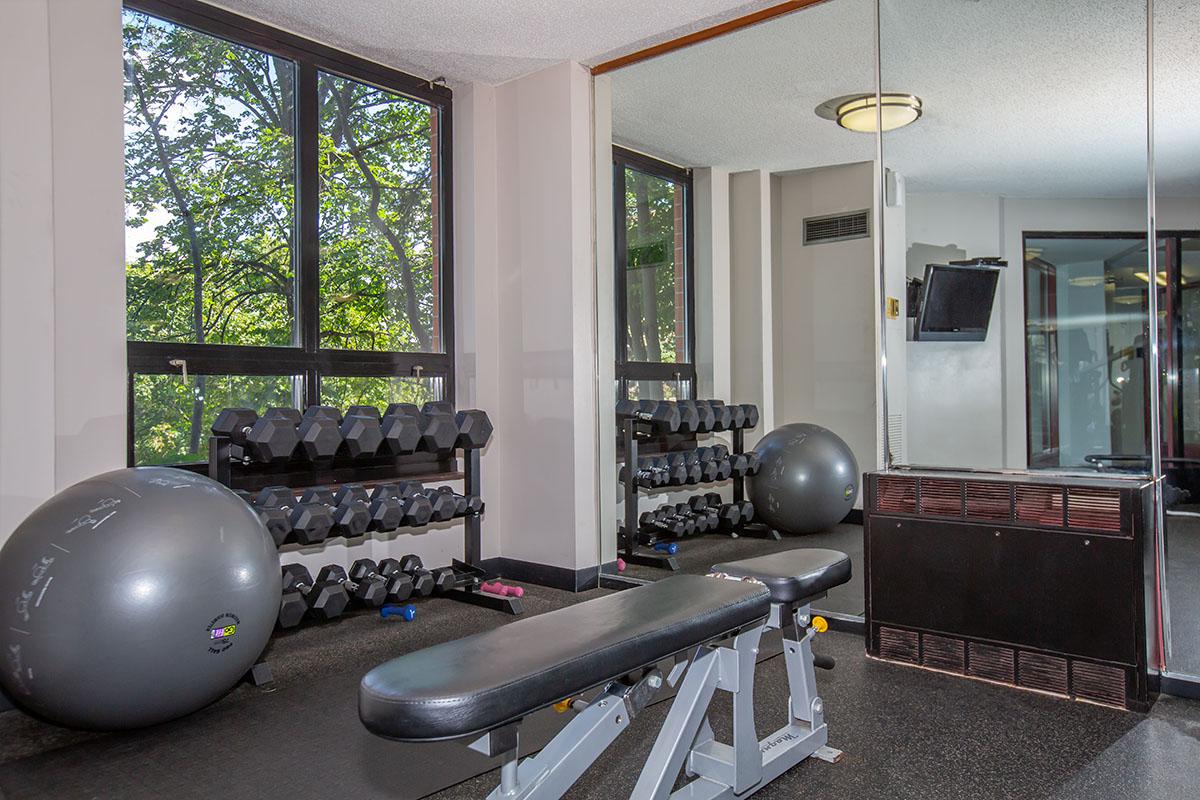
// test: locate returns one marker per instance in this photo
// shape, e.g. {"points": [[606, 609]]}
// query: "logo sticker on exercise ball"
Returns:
{"points": [[849, 490], [221, 632]]}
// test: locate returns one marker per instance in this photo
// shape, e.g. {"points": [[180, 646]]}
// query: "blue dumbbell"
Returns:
{"points": [[670, 548], [408, 612]]}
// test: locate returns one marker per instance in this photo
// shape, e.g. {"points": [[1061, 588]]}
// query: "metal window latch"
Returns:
{"points": [[180, 364], [417, 370], [678, 385]]}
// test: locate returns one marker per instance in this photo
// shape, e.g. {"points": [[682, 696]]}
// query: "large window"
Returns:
{"points": [[655, 332], [287, 226]]}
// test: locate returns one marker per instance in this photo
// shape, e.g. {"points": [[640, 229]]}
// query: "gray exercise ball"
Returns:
{"points": [[134, 597], [808, 481]]}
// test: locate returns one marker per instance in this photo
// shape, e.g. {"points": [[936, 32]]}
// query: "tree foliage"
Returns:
{"points": [[210, 163], [650, 284]]}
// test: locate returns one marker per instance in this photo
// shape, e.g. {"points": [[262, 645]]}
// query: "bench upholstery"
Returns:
{"points": [[792, 575], [487, 680]]}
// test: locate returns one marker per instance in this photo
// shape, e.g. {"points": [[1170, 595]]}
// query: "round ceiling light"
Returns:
{"points": [[857, 112]]}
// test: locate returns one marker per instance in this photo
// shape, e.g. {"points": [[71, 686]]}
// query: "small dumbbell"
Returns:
{"points": [[687, 466], [654, 521], [387, 512], [319, 432], [367, 593], [439, 432], [722, 415], [750, 415], [474, 429], [406, 612], [659, 413], [502, 590], [322, 599], [464, 505], [670, 548]]}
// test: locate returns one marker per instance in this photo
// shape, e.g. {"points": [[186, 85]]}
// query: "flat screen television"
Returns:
{"points": [[956, 301]]}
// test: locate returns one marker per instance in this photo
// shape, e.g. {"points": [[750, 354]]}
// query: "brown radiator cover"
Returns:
{"points": [[1034, 581]]}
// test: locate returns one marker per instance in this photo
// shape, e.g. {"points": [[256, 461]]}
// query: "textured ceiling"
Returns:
{"points": [[490, 41], [1021, 98]]}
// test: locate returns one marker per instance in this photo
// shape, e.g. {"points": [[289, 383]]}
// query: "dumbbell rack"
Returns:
{"points": [[468, 573], [635, 430]]}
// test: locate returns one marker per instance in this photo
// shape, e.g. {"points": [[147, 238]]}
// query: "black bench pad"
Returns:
{"points": [[483, 681], [793, 575]]}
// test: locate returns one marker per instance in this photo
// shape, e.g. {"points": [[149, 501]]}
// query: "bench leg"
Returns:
{"points": [[552, 772]]}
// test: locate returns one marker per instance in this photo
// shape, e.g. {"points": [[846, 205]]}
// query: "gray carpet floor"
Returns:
{"points": [[907, 733]]}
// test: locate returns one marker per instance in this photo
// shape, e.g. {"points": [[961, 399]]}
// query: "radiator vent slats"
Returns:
{"points": [[943, 652], [1038, 671], [1099, 683], [1094, 509], [837, 227], [941, 498], [897, 495], [900, 645], [1040, 505], [990, 501], [991, 662]]}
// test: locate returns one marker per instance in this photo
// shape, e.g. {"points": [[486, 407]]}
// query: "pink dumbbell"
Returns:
{"points": [[620, 565], [502, 590]]}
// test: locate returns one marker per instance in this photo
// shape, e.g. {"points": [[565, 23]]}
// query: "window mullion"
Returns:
{"points": [[307, 220]]}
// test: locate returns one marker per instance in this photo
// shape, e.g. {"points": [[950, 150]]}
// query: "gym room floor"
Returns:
{"points": [[906, 732]]}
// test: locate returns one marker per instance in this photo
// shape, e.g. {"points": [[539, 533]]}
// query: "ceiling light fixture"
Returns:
{"points": [[858, 112]]}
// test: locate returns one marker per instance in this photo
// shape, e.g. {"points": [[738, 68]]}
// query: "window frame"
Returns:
{"points": [[671, 371], [306, 358]]}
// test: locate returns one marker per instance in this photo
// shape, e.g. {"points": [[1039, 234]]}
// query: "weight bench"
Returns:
{"points": [[485, 684]]}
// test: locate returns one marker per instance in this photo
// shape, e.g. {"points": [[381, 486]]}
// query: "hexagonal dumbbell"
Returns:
{"points": [[386, 511], [311, 522], [367, 593], [397, 586], [422, 578], [722, 415], [464, 505], [362, 434], [437, 407], [402, 408], [439, 432], [707, 417], [323, 599], [266, 439], [350, 516], [442, 505], [319, 433], [370, 411], [401, 433], [689, 416], [275, 520], [750, 415], [474, 429]]}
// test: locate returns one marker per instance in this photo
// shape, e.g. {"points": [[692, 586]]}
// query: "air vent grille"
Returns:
{"points": [[942, 652], [899, 645], [991, 662], [1094, 509], [1099, 683], [837, 227], [989, 501], [941, 498], [898, 495], [1037, 671], [1041, 505]]}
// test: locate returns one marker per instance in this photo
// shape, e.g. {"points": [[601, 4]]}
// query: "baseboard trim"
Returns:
{"points": [[568, 580], [1188, 688]]}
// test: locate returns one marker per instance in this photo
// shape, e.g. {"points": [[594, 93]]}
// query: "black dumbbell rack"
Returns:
{"points": [[298, 473], [635, 431]]}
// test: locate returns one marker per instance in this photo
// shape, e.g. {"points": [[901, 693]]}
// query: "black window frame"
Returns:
{"points": [[673, 371], [307, 359]]}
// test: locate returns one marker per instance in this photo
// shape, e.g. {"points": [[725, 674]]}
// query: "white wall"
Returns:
{"points": [[62, 271], [826, 312], [751, 349], [966, 401]]}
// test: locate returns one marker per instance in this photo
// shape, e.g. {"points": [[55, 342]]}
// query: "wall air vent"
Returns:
{"points": [[837, 227]]}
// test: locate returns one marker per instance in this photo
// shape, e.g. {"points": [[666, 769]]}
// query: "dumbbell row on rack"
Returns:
{"points": [[367, 584], [322, 433], [690, 416], [700, 514], [353, 510], [702, 465]]}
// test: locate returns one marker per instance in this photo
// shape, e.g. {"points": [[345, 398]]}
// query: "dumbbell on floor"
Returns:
{"points": [[367, 592], [303, 596]]}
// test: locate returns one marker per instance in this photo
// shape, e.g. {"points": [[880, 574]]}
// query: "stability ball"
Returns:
{"points": [[808, 481], [134, 597]]}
